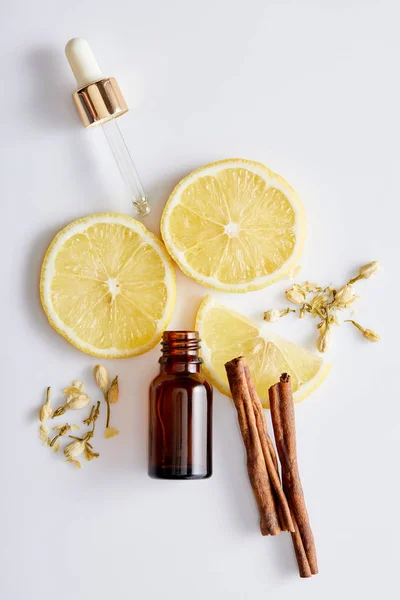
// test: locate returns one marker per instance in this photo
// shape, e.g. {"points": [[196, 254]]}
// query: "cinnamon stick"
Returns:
{"points": [[301, 557], [268, 452], [282, 413], [256, 466]]}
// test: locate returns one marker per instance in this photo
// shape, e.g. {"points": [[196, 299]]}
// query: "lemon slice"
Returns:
{"points": [[226, 334], [234, 226], [108, 286]]}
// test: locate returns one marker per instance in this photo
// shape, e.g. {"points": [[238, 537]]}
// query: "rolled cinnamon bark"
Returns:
{"points": [[301, 556], [283, 420], [256, 466], [269, 453]]}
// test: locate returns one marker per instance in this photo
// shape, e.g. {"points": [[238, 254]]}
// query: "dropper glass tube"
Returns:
{"points": [[126, 166], [99, 101]]}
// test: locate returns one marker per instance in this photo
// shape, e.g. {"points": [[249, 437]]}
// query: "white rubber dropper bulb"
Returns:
{"points": [[82, 62]]}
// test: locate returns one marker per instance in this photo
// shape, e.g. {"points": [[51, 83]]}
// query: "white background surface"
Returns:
{"points": [[311, 89]]}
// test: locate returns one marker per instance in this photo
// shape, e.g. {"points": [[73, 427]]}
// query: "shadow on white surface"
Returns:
{"points": [[50, 102]]}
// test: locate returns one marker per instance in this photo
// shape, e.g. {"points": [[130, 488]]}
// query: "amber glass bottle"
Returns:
{"points": [[180, 416]]}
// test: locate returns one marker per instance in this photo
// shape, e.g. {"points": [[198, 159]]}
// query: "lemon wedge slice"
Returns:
{"points": [[108, 286], [226, 334], [234, 226]]}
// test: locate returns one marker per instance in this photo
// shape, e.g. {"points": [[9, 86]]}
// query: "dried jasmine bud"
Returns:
{"points": [[344, 297], [367, 271], [273, 315], [296, 295], [324, 339], [73, 402], [113, 392], [102, 378], [371, 335], [367, 333], [77, 447], [370, 269], [46, 410]]}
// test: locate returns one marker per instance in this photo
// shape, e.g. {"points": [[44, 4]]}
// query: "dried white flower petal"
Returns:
{"points": [[317, 304], [333, 319], [72, 390], [78, 384], [56, 446], [67, 427], [89, 454], [310, 287], [110, 432], [294, 272], [44, 433]]}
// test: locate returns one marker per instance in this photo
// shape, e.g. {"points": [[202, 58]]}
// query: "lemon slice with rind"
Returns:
{"points": [[108, 286], [234, 225], [226, 334]]}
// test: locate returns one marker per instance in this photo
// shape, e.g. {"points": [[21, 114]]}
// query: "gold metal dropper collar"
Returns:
{"points": [[100, 101]]}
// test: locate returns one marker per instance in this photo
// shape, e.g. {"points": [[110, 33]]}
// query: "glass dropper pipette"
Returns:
{"points": [[99, 101]]}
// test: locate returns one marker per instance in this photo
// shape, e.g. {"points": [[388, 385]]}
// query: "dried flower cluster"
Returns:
{"points": [[76, 399], [325, 303]]}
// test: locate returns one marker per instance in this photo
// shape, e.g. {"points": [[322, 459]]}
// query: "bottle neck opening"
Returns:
{"points": [[180, 346]]}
